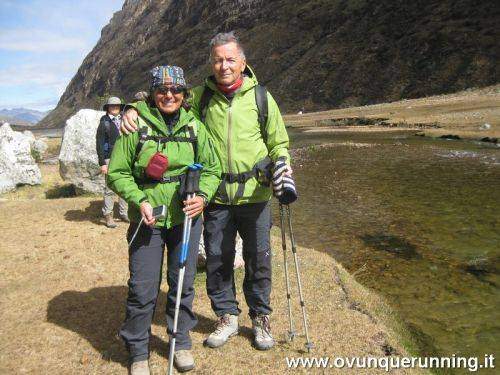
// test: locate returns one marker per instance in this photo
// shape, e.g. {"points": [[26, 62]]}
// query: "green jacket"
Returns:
{"points": [[124, 177], [235, 130]]}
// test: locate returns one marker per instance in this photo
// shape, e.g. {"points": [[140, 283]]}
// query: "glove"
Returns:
{"points": [[283, 185]]}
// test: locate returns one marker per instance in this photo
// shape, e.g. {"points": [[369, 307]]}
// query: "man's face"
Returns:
{"points": [[168, 99], [114, 110], [227, 63]]}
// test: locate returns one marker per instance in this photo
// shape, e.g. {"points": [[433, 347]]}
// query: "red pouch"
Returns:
{"points": [[157, 166]]}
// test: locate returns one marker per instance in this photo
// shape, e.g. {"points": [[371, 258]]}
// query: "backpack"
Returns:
{"points": [[260, 101]]}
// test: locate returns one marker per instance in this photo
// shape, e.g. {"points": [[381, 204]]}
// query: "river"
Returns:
{"points": [[415, 219]]}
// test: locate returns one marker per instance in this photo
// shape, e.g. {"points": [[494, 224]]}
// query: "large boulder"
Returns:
{"points": [[39, 146], [78, 162], [17, 166]]}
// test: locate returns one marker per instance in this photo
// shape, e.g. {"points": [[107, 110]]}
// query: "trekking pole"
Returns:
{"points": [[291, 331], [309, 345], [192, 179]]}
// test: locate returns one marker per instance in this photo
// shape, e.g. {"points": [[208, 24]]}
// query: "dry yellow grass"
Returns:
{"points": [[461, 113], [63, 282]]}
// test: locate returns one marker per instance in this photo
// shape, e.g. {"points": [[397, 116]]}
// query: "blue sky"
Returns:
{"points": [[42, 44]]}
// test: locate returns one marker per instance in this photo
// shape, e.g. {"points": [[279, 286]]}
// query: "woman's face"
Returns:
{"points": [[168, 99]]}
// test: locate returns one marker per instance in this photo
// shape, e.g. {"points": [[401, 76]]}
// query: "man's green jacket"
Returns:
{"points": [[237, 137], [126, 173]]}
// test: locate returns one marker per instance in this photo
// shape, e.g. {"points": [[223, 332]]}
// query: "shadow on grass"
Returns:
{"points": [[61, 191], [91, 213], [97, 315]]}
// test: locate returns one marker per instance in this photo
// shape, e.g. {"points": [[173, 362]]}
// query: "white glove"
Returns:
{"points": [[282, 178]]}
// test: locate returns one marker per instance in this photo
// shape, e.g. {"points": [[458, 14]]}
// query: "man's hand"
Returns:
{"points": [[129, 121], [282, 175], [193, 207], [147, 213], [104, 169]]}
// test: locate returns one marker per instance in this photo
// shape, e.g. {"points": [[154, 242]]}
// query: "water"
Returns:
{"points": [[418, 220]]}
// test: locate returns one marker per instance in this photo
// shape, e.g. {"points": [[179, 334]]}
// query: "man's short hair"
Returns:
{"points": [[224, 38]]}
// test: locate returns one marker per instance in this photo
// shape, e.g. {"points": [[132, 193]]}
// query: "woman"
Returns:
{"points": [[147, 169]]}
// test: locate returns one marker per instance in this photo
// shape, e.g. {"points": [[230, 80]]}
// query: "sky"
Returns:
{"points": [[43, 43]]}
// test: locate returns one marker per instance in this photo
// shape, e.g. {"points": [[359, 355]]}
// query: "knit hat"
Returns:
{"points": [[167, 75]]}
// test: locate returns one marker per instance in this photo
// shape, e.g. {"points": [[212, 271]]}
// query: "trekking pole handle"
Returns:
{"points": [[193, 178]]}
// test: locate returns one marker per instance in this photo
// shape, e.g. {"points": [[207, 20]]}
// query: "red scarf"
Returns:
{"points": [[232, 87]]}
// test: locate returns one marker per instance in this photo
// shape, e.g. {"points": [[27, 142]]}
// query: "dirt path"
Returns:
{"points": [[63, 281]]}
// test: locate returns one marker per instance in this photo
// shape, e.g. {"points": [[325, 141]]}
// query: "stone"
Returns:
{"points": [[485, 126], [39, 146], [78, 162], [17, 166]]}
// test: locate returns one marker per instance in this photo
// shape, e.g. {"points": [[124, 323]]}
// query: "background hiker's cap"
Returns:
{"points": [[167, 75], [112, 100], [141, 95]]}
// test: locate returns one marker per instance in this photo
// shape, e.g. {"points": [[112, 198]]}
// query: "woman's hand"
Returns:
{"points": [[129, 121], [194, 206], [147, 213]]}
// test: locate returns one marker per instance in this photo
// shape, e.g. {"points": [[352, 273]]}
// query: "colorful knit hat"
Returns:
{"points": [[167, 75]]}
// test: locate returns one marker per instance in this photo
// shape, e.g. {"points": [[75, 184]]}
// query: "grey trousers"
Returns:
{"points": [[109, 201], [145, 264], [253, 222]]}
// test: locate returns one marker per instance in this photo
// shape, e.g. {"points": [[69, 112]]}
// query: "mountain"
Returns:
{"points": [[22, 116], [316, 54]]}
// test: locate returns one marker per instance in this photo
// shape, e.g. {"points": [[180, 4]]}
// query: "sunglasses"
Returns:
{"points": [[173, 89]]}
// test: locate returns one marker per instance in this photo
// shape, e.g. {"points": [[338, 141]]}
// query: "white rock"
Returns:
{"points": [[485, 126], [40, 146], [16, 163], [28, 134], [78, 162]]}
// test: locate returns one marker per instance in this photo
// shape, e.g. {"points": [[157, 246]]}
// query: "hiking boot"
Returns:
{"points": [[262, 330], [139, 368], [183, 360], [226, 327], [110, 223], [124, 218]]}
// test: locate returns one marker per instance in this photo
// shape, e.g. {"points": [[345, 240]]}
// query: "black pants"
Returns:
{"points": [[145, 264], [253, 222]]}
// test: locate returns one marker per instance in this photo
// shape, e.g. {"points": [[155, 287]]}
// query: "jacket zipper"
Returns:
{"points": [[229, 123]]}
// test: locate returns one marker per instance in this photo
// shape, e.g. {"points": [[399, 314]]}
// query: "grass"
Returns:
{"points": [[64, 278], [461, 113]]}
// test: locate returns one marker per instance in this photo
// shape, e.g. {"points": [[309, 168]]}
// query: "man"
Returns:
{"points": [[107, 133], [247, 150]]}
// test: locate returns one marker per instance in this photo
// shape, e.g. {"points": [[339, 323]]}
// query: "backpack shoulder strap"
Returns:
{"points": [[192, 130], [143, 135], [262, 109], [205, 99], [107, 125]]}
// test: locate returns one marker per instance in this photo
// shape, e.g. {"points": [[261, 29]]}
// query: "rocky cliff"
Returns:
{"points": [[314, 53]]}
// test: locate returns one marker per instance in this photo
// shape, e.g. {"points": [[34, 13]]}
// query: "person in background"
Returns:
{"points": [[107, 133]]}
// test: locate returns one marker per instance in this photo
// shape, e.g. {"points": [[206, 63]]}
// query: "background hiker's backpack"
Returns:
{"points": [[260, 100]]}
